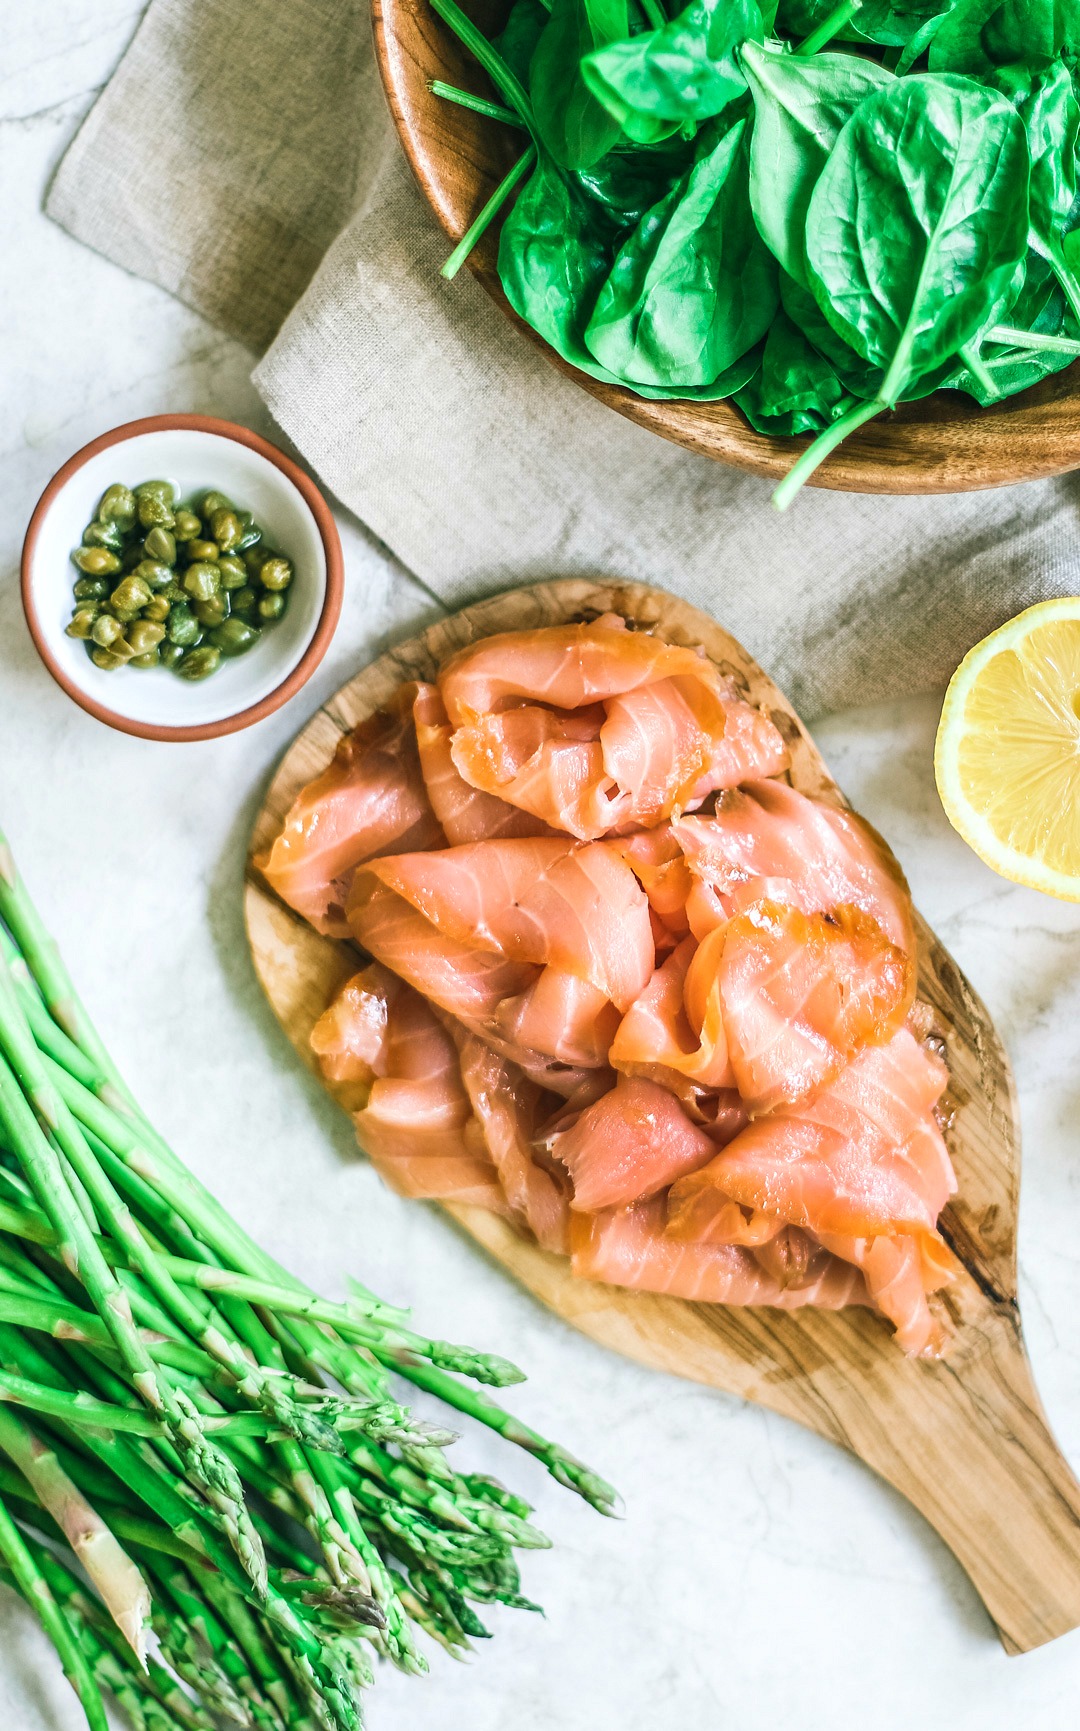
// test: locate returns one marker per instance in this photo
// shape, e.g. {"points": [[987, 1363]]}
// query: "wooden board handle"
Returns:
{"points": [[975, 1455]]}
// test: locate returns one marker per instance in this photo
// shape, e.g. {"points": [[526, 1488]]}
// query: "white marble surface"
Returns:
{"points": [[759, 1576]]}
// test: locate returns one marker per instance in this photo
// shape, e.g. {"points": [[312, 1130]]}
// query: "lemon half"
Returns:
{"points": [[1007, 757]]}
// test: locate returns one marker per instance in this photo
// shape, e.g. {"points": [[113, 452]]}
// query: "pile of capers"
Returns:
{"points": [[164, 584]]}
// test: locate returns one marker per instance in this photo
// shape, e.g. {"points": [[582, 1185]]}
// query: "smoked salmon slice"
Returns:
{"points": [[658, 1038], [862, 1157], [595, 728], [632, 1142], [766, 840], [801, 993], [509, 1109], [541, 901], [899, 1273], [629, 1247], [417, 1126], [371, 800], [464, 813], [349, 1039], [467, 982]]}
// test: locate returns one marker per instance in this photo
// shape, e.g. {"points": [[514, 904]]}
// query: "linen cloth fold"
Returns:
{"points": [[242, 157]]}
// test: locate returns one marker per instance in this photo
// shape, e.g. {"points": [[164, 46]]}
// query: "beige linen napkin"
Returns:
{"points": [[243, 158]]}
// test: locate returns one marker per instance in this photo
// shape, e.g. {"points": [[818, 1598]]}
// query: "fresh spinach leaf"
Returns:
{"points": [[679, 75], [800, 106], [516, 42], [795, 389], [555, 252], [979, 35], [571, 124], [918, 223], [693, 287], [1046, 103]]}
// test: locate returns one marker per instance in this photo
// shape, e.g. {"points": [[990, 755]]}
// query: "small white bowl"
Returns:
{"points": [[196, 452]]}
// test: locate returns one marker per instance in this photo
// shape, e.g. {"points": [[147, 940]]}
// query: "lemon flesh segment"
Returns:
{"points": [[1008, 757]]}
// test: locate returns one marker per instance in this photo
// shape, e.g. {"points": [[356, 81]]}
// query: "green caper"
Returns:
{"points": [[165, 490], [144, 635], [82, 623], [213, 501], [183, 627], [174, 592], [188, 526], [106, 630], [253, 558], [121, 647], [275, 573], [244, 600], [212, 612], [250, 533], [153, 573], [132, 556], [202, 580], [169, 654], [233, 572], [227, 530], [233, 637], [117, 505], [105, 659], [130, 595], [157, 608], [197, 550], [154, 512], [272, 606], [103, 535], [150, 659], [95, 561], [159, 544], [199, 663], [90, 589]]}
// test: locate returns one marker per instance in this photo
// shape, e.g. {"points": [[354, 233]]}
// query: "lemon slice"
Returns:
{"points": [[1007, 758]]}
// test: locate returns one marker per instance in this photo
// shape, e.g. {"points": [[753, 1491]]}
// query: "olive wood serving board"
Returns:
{"points": [[944, 443], [965, 1438]]}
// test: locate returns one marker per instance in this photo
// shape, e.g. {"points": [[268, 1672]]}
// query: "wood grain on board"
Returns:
{"points": [[965, 1438], [943, 444]]}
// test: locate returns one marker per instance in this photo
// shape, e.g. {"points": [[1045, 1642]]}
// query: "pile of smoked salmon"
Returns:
{"points": [[628, 986]]}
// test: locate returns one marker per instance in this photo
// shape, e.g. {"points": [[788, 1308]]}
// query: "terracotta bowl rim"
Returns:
{"points": [[295, 679]]}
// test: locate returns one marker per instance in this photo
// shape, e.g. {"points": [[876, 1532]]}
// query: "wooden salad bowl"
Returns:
{"points": [[963, 1438], [944, 444]]}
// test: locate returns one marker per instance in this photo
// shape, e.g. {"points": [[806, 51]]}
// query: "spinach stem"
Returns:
{"points": [[825, 442], [979, 370], [1018, 339], [828, 27], [491, 209], [478, 104], [504, 80]]}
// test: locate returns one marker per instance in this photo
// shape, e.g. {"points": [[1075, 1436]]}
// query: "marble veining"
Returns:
{"points": [[759, 1575]]}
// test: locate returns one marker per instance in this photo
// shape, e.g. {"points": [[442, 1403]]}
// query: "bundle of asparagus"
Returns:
{"points": [[211, 1494]]}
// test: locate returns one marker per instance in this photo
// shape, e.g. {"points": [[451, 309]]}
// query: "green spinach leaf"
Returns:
{"points": [[556, 251], [795, 389], [693, 287], [979, 35], [800, 106], [570, 123], [676, 76], [516, 42], [918, 223]]}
